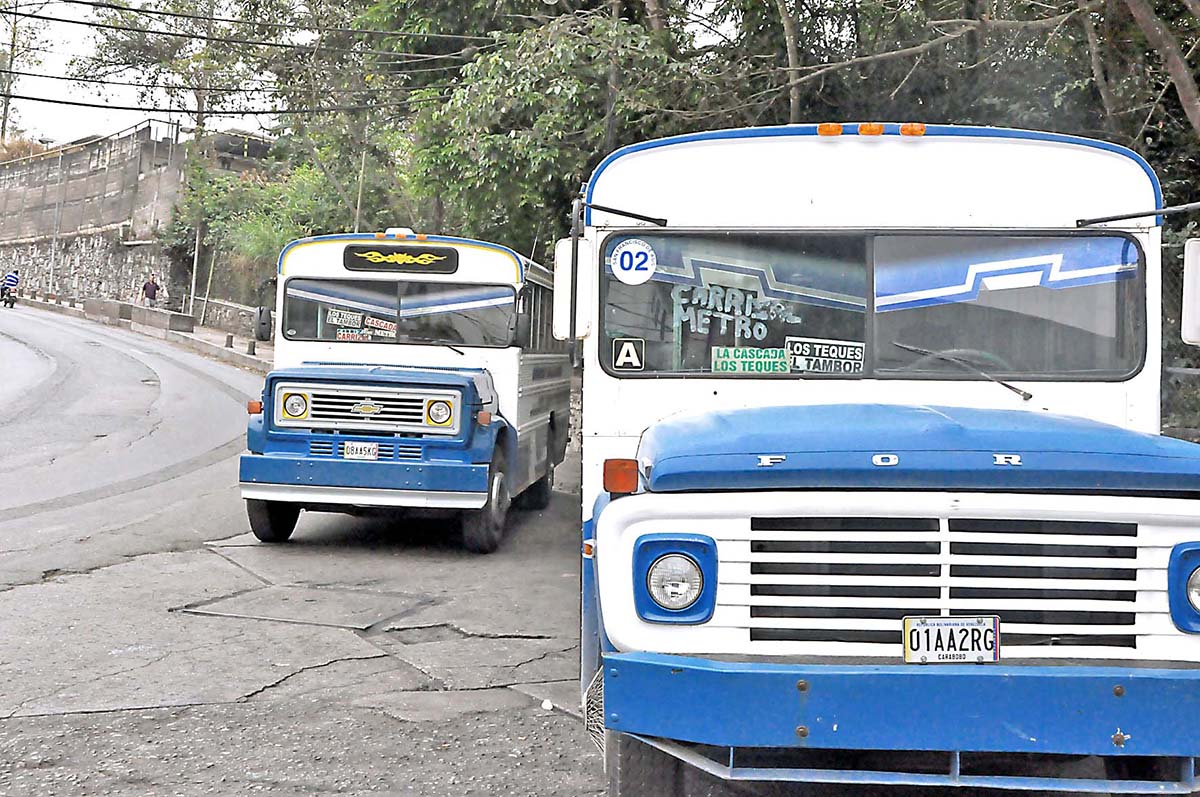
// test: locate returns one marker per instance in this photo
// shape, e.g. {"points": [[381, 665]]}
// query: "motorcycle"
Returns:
{"points": [[8, 296]]}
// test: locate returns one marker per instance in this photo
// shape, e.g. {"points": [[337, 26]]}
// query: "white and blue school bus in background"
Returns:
{"points": [[410, 371], [873, 490]]}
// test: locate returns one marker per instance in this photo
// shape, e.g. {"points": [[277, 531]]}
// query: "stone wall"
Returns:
{"points": [[97, 264]]}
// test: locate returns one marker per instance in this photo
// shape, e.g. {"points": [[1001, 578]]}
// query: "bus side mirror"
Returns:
{"points": [[262, 323], [565, 292], [1189, 323]]}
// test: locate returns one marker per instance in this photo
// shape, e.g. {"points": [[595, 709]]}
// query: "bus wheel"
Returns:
{"points": [[272, 521], [635, 769], [537, 495], [483, 529]]}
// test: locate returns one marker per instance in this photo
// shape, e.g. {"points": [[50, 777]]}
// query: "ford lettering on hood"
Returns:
{"points": [[879, 446]]}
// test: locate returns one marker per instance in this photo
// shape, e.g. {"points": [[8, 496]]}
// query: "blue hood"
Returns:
{"points": [[933, 448]]}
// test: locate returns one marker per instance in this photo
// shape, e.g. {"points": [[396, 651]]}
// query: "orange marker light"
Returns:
{"points": [[380, 235], [254, 407], [621, 476], [484, 417], [829, 129], [589, 550], [422, 237], [912, 129], [870, 129]]}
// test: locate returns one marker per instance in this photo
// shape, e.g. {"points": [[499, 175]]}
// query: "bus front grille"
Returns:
{"points": [[853, 579]]}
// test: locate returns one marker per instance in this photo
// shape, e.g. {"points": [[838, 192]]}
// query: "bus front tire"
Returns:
{"points": [[483, 529], [635, 769], [272, 521]]}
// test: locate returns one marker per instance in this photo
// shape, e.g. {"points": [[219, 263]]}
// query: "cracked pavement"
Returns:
{"points": [[149, 644]]}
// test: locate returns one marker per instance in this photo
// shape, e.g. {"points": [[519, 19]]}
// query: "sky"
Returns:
{"points": [[62, 123]]}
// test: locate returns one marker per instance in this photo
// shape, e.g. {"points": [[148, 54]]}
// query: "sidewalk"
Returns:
{"points": [[208, 341]]}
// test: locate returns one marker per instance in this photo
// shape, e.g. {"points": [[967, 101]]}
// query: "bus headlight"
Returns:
{"points": [[1193, 589], [295, 405], [438, 412], [675, 581]]}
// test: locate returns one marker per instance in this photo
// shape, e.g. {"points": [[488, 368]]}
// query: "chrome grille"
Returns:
{"points": [[393, 409], [850, 580], [367, 408]]}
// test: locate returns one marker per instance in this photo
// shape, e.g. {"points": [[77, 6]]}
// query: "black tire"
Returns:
{"points": [[635, 769], [272, 521], [537, 495], [483, 529]]}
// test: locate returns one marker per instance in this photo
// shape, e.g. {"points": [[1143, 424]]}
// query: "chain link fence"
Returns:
{"points": [[1181, 363]]}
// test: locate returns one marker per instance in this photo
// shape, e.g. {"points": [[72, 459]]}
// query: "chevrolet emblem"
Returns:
{"points": [[367, 407]]}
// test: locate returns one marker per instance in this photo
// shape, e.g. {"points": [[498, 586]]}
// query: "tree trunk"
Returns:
{"points": [[658, 18], [1160, 38], [614, 87], [1098, 75], [793, 56]]}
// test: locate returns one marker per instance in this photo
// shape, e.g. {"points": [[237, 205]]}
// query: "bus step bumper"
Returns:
{"points": [[301, 479], [983, 726]]}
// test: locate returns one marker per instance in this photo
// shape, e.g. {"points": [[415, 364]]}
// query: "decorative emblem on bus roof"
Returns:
{"points": [[400, 258], [367, 407]]}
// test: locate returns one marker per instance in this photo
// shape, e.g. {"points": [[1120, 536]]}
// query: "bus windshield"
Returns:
{"points": [[377, 311], [855, 305]]}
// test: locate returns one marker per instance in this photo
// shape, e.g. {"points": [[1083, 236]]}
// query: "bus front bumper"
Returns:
{"points": [[320, 481], [676, 702]]}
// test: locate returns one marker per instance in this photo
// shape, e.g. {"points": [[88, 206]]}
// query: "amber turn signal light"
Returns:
{"points": [[870, 129], [254, 407], [484, 417], [621, 476]]}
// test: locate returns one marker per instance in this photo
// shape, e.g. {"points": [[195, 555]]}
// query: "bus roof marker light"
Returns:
{"points": [[829, 129], [870, 129], [912, 129]]}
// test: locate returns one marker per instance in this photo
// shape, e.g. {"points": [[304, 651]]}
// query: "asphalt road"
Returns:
{"points": [[148, 644]]}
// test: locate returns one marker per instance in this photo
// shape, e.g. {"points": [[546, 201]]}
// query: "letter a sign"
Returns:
{"points": [[629, 354]]}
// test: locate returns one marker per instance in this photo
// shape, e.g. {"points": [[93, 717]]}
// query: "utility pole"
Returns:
{"points": [[9, 66]]}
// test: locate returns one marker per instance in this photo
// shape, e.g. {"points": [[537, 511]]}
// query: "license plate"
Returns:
{"points": [[951, 640], [356, 450]]}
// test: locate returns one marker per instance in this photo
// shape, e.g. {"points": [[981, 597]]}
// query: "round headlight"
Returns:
{"points": [[438, 412], [295, 405], [675, 581], [1193, 589]]}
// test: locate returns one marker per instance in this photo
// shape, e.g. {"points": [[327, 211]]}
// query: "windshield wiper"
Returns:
{"points": [[950, 358], [437, 343]]}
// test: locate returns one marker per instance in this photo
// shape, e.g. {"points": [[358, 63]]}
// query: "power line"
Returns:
{"points": [[276, 25], [215, 89], [228, 40], [247, 112]]}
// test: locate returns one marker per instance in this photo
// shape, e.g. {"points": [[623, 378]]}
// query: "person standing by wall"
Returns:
{"points": [[150, 292]]}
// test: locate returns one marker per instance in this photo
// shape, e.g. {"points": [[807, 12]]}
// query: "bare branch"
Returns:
{"points": [[1160, 38]]}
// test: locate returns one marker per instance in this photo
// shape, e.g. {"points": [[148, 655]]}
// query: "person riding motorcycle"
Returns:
{"points": [[8, 288]]}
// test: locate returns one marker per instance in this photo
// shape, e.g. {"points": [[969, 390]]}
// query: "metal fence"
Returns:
{"points": [[1181, 363]]}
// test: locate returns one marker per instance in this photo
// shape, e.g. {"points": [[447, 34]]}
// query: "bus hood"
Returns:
{"points": [[878, 446]]}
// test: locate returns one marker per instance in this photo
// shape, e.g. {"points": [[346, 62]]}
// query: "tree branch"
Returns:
{"points": [[1160, 38]]}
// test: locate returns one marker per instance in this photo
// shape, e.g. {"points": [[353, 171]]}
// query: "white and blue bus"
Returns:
{"points": [[411, 371], [873, 485]]}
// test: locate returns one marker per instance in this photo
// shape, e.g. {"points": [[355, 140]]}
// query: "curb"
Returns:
{"points": [[213, 350]]}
